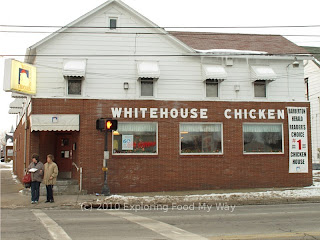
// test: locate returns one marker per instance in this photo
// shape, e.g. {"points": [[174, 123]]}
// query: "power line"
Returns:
{"points": [[156, 27], [150, 55], [150, 33]]}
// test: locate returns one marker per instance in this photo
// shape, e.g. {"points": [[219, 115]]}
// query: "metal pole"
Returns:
{"points": [[105, 189]]}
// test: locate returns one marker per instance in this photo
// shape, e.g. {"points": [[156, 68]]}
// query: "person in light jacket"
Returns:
{"points": [[36, 177], [50, 176]]}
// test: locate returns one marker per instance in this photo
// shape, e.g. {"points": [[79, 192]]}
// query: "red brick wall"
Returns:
{"points": [[168, 171]]}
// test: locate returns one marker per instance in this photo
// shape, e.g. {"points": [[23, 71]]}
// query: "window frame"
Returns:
{"points": [[116, 20], [216, 81], [70, 78], [108, 21], [200, 154], [139, 154], [266, 88], [153, 80], [263, 123]]}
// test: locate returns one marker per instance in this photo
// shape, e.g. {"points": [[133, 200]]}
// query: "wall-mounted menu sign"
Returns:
{"points": [[298, 140]]}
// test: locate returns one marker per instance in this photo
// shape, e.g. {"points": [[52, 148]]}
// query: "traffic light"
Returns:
{"points": [[106, 124], [111, 125]]}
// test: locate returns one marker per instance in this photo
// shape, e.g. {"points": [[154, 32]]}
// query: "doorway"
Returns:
{"points": [[64, 155]]}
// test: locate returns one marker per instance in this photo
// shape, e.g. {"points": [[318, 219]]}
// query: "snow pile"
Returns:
{"points": [[238, 197], [231, 52], [6, 166]]}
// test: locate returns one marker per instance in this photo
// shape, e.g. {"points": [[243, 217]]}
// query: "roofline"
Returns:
{"points": [[122, 4]]}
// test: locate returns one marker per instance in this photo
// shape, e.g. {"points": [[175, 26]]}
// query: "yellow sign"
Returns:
{"points": [[20, 77]]}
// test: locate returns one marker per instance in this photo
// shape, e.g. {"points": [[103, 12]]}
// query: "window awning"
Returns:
{"points": [[214, 72], [148, 70], [263, 73], [15, 111], [17, 95], [17, 103], [51, 122], [74, 67]]}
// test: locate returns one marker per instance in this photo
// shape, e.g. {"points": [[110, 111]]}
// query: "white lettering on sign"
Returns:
{"points": [[298, 140], [154, 113], [254, 114]]}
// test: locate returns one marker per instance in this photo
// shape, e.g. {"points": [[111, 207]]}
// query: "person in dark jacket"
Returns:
{"points": [[36, 168]]}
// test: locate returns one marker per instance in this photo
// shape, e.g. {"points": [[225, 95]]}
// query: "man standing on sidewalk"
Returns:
{"points": [[50, 176]]}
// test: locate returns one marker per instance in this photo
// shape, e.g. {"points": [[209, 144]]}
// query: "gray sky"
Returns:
{"points": [[164, 13]]}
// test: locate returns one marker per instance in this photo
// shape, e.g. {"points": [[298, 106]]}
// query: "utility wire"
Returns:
{"points": [[150, 33], [221, 27], [150, 55]]}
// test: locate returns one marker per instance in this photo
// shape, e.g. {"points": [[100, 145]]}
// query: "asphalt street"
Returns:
{"points": [[176, 221], [288, 221]]}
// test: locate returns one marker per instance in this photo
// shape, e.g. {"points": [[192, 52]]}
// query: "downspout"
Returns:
{"points": [[79, 169], [25, 133], [25, 142]]}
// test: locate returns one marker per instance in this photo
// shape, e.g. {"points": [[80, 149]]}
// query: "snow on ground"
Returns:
{"points": [[9, 167], [262, 196], [6, 166]]}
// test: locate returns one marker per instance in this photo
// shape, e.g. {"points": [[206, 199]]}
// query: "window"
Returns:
{"points": [[74, 85], [200, 138], [212, 88], [263, 138], [135, 138], [146, 87], [113, 23], [260, 88]]}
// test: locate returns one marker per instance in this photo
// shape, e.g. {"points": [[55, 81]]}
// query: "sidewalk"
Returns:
{"points": [[12, 198]]}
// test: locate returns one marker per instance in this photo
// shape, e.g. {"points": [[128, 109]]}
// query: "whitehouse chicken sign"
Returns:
{"points": [[19, 77]]}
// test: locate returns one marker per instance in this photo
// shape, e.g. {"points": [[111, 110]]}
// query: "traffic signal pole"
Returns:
{"points": [[106, 125], [105, 189]]}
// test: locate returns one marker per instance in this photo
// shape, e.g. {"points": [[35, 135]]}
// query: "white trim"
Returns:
{"points": [[118, 20], [139, 154], [204, 154], [259, 153]]}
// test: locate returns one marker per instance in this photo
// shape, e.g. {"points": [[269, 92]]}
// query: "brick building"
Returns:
{"points": [[195, 110]]}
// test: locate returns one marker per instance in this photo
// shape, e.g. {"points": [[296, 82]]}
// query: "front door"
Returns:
{"points": [[64, 155]]}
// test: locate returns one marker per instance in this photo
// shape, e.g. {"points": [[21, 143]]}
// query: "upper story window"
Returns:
{"points": [[212, 88], [74, 85], [147, 87], [113, 23], [261, 76], [148, 73], [74, 71], [260, 88]]}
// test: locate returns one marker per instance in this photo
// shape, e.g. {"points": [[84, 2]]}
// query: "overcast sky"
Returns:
{"points": [[164, 13]]}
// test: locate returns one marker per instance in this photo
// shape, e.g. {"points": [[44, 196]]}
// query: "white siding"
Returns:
{"points": [[312, 72], [180, 77]]}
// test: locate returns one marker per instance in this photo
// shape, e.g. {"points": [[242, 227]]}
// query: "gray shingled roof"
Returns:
{"points": [[273, 44]]}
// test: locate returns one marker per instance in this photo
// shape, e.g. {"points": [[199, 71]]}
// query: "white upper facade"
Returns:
{"points": [[312, 76], [112, 64]]}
